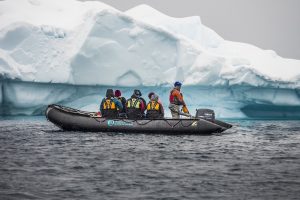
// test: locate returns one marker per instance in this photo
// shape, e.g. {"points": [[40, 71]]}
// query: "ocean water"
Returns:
{"points": [[255, 159]]}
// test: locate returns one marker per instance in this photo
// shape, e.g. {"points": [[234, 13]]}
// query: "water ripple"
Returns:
{"points": [[253, 160]]}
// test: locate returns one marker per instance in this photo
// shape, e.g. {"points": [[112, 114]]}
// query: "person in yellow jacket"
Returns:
{"points": [[135, 106], [154, 107], [110, 106]]}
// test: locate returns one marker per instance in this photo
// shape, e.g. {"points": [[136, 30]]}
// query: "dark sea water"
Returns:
{"points": [[254, 160]]}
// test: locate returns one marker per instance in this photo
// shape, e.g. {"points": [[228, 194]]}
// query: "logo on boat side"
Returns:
{"points": [[118, 123], [194, 124]]}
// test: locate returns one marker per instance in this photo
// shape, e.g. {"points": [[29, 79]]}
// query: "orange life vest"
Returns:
{"points": [[175, 97]]}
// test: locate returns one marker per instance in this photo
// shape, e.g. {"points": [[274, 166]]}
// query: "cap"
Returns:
{"points": [[137, 92], [177, 83]]}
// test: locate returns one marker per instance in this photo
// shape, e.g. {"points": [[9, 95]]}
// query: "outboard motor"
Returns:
{"points": [[206, 114]]}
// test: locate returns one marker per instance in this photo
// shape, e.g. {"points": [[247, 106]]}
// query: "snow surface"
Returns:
{"points": [[90, 44]]}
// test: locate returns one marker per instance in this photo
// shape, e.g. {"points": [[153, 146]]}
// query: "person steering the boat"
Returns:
{"points": [[176, 100], [110, 105], [154, 108], [135, 106]]}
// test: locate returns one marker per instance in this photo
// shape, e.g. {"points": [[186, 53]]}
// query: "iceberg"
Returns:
{"points": [[69, 52]]}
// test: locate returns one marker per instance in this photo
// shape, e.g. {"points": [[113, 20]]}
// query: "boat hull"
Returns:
{"points": [[75, 120]]}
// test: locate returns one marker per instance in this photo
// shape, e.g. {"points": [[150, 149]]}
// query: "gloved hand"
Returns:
{"points": [[185, 109]]}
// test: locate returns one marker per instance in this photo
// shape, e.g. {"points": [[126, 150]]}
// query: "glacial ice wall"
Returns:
{"points": [[30, 98], [60, 47]]}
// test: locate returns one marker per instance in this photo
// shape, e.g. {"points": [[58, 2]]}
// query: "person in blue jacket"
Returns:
{"points": [[110, 106]]}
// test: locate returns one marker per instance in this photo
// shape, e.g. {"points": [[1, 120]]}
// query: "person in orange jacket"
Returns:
{"points": [[176, 100]]}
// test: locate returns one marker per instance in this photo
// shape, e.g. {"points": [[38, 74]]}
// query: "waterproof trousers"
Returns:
{"points": [[174, 111]]}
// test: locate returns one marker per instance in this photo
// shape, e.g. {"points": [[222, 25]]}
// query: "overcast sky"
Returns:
{"points": [[268, 24]]}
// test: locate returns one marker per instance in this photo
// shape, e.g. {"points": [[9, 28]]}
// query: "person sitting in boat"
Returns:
{"points": [[135, 106], [154, 107], [118, 95], [176, 100], [110, 105]]}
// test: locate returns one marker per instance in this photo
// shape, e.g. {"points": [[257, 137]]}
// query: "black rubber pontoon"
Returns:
{"points": [[70, 119]]}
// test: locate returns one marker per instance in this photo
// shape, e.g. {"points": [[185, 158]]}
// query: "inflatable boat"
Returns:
{"points": [[70, 119]]}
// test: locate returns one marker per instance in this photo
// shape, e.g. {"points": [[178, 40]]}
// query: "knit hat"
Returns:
{"points": [[118, 93]]}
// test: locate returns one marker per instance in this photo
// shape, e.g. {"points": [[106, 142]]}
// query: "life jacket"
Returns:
{"points": [[133, 103], [173, 99], [153, 105], [133, 108], [109, 109], [153, 110], [109, 105]]}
